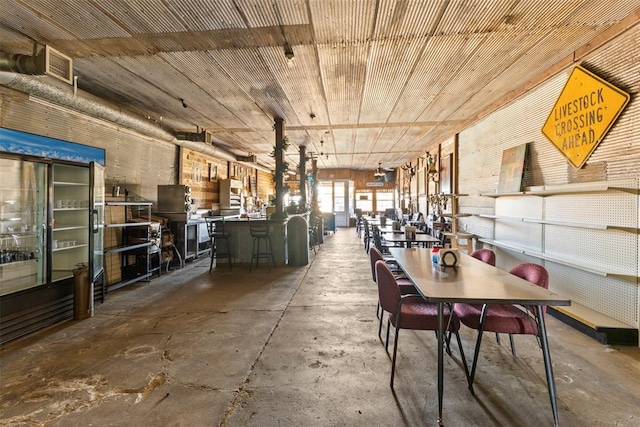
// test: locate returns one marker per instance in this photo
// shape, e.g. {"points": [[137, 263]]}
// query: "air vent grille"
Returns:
{"points": [[58, 65]]}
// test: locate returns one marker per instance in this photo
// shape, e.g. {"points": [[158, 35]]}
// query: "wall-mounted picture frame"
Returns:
{"points": [[446, 176]]}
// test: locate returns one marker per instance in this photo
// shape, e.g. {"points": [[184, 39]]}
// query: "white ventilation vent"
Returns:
{"points": [[58, 65]]}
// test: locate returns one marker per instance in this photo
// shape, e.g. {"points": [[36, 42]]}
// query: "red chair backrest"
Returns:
{"points": [[485, 255], [388, 291], [374, 255], [533, 273]]}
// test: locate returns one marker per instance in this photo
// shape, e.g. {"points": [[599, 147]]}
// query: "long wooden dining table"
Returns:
{"points": [[475, 282]]}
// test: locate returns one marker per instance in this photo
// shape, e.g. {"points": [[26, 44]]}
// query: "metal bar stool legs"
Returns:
{"points": [[261, 237], [217, 235]]}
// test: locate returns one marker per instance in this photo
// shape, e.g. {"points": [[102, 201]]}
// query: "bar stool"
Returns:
{"points": [[261, 233], [218, 234]]}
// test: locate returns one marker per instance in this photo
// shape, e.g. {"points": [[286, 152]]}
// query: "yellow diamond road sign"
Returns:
{"points": [[585, 110]]}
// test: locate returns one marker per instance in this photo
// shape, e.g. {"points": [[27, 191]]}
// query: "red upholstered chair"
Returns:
{"points": [[485, 255], [405, 285], [508, 319], [410, 312]]}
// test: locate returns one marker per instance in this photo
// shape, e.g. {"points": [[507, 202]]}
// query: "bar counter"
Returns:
{"points": [[242, 244]]}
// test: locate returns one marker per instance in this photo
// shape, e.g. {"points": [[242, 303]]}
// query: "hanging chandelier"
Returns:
{"points": [[379, 173]]}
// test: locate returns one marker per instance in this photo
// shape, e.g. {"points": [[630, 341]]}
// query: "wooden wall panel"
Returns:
{"points": [[359, 177], [202, 172], [266, 187]]}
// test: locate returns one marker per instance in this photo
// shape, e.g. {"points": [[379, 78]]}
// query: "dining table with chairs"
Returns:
{"points": [[388, 229], [472, 281], [412, 239]]}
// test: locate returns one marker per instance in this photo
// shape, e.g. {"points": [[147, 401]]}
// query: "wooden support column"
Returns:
{"points": [[302, 170], [314, 190], [279, 158]]}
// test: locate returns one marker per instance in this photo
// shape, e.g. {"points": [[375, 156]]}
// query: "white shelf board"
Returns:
{"points": [[591, 318], [540, 255]]}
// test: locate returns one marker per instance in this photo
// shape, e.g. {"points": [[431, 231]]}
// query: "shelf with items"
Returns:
{"points": [[230, 193], [127, 243], [70, 219]]}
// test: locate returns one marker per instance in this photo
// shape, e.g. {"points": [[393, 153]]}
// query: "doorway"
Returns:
{"points": [[334, 197]]}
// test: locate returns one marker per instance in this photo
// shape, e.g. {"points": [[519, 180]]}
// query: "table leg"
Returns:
{"points": [[551, 382], [440, 359], [483, 317]]}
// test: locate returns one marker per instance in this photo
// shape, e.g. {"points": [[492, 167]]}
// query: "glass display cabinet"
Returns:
{"points": [[51, 222], [22, 225]]}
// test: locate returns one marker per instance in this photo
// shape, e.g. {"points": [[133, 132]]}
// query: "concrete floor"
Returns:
{"points": [[294, 347]]}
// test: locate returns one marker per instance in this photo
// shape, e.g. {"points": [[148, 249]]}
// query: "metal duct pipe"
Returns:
{"points": [[24, 64], [95, 108], [203, 148]]}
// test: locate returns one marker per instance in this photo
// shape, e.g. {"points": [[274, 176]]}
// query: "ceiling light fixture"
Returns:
{"points": [[379, 173], [288, 53]]}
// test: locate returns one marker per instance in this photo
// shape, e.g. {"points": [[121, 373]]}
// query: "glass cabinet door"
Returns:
{"points": [[70, 223], [23, 195], [97, 219]]}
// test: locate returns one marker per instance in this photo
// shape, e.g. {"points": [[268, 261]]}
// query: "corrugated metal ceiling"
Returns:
{"points": [[383, 79]]}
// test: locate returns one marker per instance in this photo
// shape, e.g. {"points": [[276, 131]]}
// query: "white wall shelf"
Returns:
{"points": [[592, 226], [556, 190], [587, 235], [540, 255]]}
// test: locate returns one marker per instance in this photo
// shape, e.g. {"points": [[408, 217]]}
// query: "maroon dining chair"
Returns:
{"points": [[405, 285], [410, 311], [508, 319], [485, 255]]}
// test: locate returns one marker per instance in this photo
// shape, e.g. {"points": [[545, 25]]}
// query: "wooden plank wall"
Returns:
{"points": [[359, 177], [265, 185], [201, 172]]}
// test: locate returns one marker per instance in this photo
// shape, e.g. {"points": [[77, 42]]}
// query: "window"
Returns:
{"points": [[384, 201], [338, 199], [364, 201]]}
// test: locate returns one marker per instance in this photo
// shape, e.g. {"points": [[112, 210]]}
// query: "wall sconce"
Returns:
{"points": [[432, 169]]}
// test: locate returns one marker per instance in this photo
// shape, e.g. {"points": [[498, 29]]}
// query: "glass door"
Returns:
{"points": [[340, 203], [70, 222], [97, 198], [23, 216]]}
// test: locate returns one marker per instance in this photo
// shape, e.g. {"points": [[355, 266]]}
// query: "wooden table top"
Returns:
{"points": [[471, 281]]}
